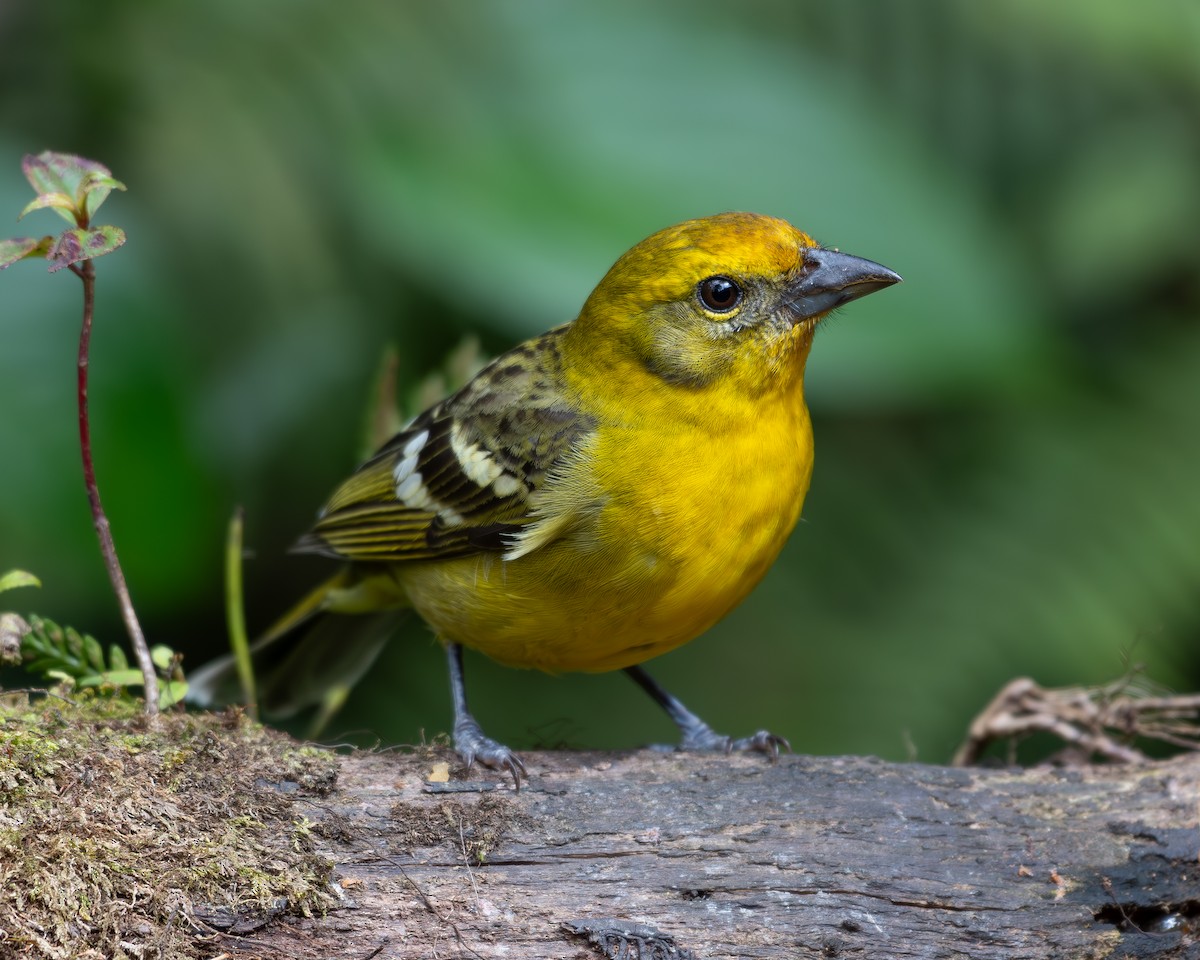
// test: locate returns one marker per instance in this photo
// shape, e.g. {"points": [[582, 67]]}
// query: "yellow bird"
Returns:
{"points": [[596, 496]]}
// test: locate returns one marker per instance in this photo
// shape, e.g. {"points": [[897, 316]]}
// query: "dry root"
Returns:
{"points": [[1094, 722]]}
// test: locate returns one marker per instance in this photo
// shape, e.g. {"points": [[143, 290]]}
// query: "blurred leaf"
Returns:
{"points": [[18, 578], [94, 189], [162, 655], [53, 174], [116, 678], [83, 184], [84, 244], [171, 692], [93, 653], [48, 647], [62, 653], [22, 248], [59, 201]]}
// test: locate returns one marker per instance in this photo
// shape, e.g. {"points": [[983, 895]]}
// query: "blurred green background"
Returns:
{"points": [[1008, 444]]}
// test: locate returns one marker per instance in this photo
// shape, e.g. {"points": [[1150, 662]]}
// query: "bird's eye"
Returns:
{"points": [[719, 294]]}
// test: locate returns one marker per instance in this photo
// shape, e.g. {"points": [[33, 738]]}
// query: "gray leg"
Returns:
{"points": [[469, 740], [698, 735]]}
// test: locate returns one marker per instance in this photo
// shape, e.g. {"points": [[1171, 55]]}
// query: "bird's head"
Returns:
{"points": [[733, 297]]}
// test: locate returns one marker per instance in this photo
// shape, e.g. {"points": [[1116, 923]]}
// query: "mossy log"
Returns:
{"points": [[641, 855]]}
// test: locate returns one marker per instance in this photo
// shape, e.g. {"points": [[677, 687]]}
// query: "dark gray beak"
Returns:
{"points": [[829, 278]]}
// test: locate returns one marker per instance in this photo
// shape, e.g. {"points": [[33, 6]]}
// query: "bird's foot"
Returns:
{"points": [[472, 745], [700, 736]]}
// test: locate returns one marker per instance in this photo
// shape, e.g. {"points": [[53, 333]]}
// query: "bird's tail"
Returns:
{"points": [[314, 652]]}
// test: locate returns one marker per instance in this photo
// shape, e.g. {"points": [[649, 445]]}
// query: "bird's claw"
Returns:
{"points": [[762, 742], [471, 744], [704, 738]]}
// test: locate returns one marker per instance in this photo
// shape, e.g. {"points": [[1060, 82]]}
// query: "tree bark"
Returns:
{"points": [[674, 856]]}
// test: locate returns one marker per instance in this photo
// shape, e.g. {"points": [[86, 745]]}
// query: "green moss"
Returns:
{"points": [[26, 760], [117, 833]]}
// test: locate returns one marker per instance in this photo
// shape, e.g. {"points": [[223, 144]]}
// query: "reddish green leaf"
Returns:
{"points": [[80, 244], [21, 248], [94, 189], [45, 173], [68, 174], [102, 240], [41, 175], [67, 249], [59, 201]]}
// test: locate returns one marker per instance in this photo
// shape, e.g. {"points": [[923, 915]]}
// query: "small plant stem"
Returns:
{"points": [[235, 613], [87, 273]]}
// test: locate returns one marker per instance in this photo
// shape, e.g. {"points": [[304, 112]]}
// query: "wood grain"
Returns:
{"points": [[712, 856]]}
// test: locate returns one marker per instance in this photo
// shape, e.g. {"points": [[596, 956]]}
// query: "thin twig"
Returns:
{"points": [[467, 862], [432, 909], [1095, 720], [42, 690], [87, 273]]}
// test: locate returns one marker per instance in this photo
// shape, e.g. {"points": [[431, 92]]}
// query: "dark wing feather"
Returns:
{"points": [[459, 478]]}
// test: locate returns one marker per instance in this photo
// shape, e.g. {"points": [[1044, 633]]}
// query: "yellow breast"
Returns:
{"points": [[672, 530]]}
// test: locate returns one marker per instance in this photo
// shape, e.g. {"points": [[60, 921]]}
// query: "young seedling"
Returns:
{"points": [[74, 188]]}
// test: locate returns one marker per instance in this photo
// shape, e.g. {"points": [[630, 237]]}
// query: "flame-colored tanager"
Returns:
{"points": [[596, 496]]}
